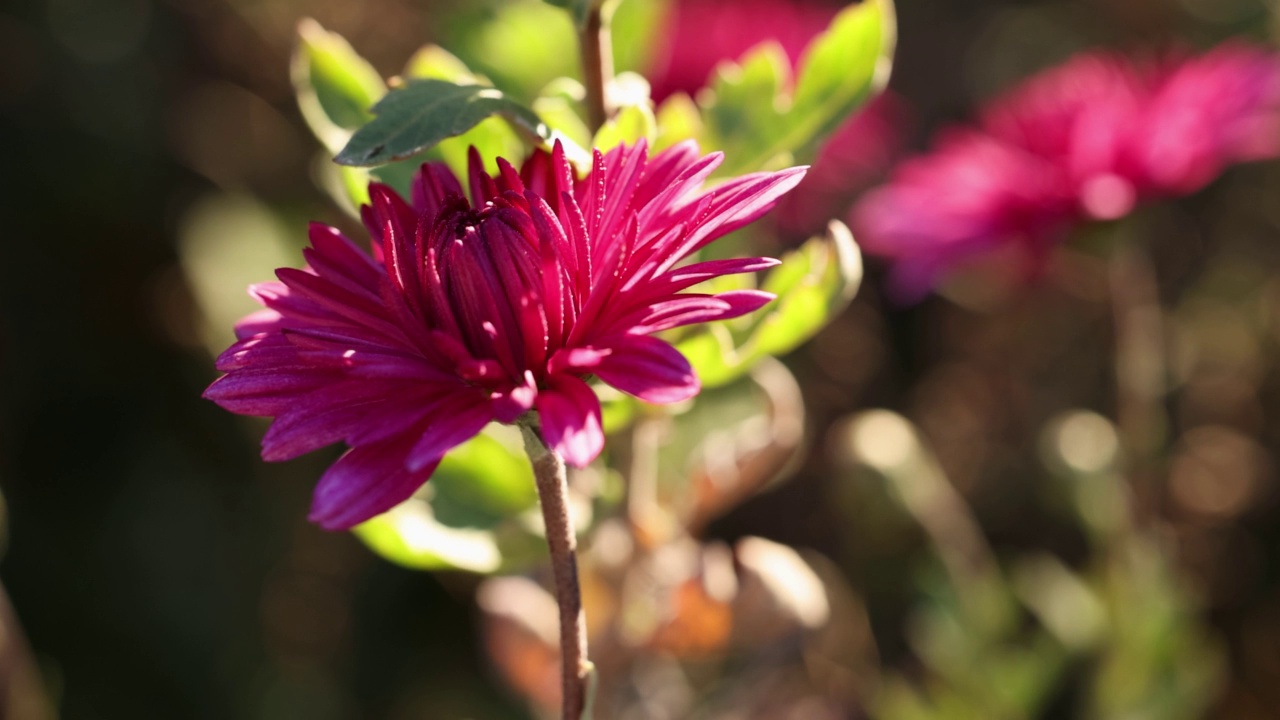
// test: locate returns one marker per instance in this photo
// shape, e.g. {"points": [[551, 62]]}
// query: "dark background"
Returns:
{"points": [[161, 570]]}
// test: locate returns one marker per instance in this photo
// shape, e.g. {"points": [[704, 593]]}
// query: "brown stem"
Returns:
{"points": [[553, 494], [597, 65]]}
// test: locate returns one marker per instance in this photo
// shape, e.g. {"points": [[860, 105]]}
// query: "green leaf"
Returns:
{"points": [[678, 120], [487, 477], [423, 112], [433, 61], [759, 123], [522, 44], [631, 123], [633, 27], [409, 535], [335, 87], [806, 303], [747, 107], [813, 284], [713, 356], [558, 104], [577, 8], [845, 64]]}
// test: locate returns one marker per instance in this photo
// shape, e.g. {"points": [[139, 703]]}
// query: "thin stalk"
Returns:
{"points": [[642, 474], [1141, 372], [597, 65], [553, 494]]}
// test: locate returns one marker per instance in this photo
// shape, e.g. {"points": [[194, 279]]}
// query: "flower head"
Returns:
{"points": [[1088, 140], [468, 312], [972, 194]]}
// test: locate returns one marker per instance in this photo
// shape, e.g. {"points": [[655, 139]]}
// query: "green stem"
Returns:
{"points": [[553, 494]]}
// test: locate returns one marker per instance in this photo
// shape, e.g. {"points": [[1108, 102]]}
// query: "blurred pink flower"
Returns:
{"points": [[1088, 140], [972, 194], [699, 34], [467, 313], [1207, 113]]}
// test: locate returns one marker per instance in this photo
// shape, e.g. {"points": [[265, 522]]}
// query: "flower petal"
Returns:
{"points": [[570, 416], [366, 481], [648, 368], [454, 420]]}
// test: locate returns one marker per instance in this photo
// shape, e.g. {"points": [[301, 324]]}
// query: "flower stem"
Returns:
{"points": [[597, 65], [1141, 372], [553, 494]]}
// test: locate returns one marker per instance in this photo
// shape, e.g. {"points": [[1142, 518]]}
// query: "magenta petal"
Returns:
{"points": [[451, 422], [583, 360], [569, 413], [265, 392], [511, 403], [648, 368], [683, 310], [742, 302], [358, 412], [367, 481], [256, 323], [297, 434]]}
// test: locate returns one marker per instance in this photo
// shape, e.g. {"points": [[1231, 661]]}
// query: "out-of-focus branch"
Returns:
{"points": [[597, 64], [22, 693], [1141, 373]]}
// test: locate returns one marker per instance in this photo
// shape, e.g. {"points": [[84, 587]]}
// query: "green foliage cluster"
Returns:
{"points": [[475, 514], [998, 640]]}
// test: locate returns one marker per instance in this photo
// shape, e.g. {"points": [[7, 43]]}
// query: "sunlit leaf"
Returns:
{"points": [[423, 112], [634, 26], [629, 125], [433, 61], [577, 8], [678, 120], [486, 477], [813, 284], [754, 116], [409, 535], [748, 113], [522, 45], [558, 105], [713, 355], [335, 88], [845, 64], [334, 85]]}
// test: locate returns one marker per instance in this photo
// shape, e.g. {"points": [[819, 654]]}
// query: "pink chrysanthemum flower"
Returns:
{"points": [[1088, 140], [480, 311], [971, 195], [1207, 113]]}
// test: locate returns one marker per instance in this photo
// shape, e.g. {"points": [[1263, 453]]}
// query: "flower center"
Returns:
{"points": [[487, 264]]}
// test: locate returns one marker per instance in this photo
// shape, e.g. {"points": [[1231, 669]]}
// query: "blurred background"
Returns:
{"points": [[986, 554]]}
